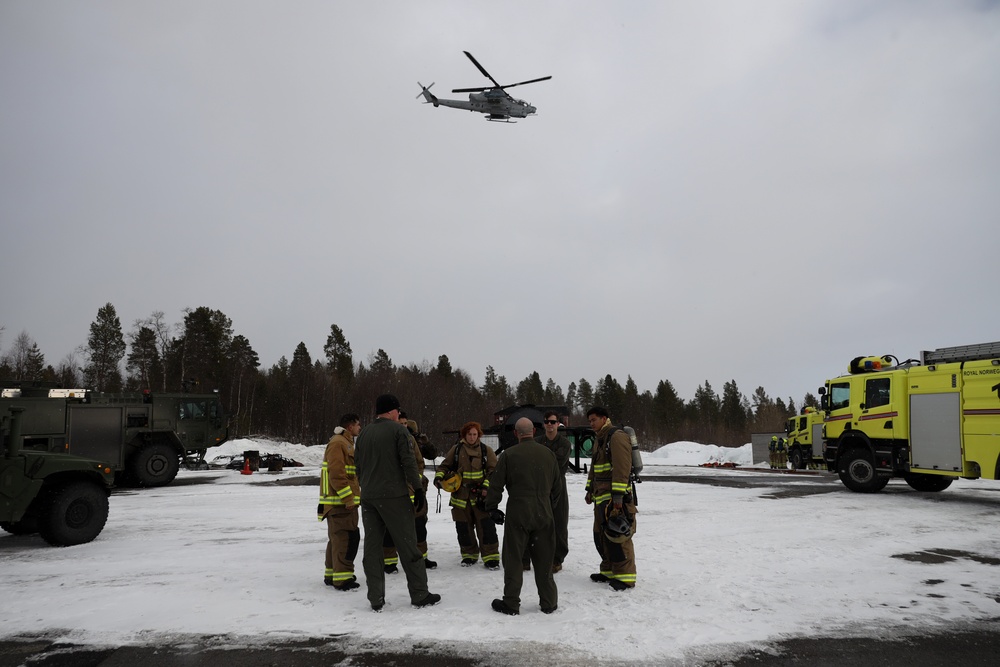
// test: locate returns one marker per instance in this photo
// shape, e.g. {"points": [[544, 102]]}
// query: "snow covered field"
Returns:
{"points": [[222, 553]]}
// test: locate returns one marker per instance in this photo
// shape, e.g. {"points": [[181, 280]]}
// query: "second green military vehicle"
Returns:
{"points": [[62, 497], [146, 436]]}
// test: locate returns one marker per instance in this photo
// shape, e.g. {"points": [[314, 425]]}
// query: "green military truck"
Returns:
{"points": [[145, 435], [62, 497]]}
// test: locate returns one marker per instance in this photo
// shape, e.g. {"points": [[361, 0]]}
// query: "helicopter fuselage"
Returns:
{"points": [[494, 105]]}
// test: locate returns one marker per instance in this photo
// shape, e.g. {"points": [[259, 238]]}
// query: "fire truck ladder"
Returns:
{"points": [[944, 355]]}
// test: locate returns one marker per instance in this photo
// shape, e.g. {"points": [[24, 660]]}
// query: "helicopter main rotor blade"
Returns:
{"points": [[511, 85], [485, 73], [469, 90]]}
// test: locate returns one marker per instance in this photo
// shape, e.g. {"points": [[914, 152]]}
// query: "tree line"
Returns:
{"points": [[301, 399]]}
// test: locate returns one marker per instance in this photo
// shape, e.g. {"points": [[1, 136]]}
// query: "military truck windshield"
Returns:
{"points": [[192, 409]]}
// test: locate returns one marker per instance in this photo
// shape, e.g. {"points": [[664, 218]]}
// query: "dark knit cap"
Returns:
{"points": [[386, 403]]}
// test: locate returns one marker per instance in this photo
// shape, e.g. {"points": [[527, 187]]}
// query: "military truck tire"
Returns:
{"points": [[921, 482], [154, 465], [796, 459], [26, 526], [857, 472], [73, 514]]}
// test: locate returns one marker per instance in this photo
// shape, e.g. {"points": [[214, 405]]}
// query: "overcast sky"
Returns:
{"points": [[710, 190]]}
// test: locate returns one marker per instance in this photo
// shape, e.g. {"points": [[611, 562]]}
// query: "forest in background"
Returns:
{"points": [[300, 400]]}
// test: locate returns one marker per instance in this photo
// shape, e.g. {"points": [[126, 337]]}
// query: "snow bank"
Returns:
{"points": [[693, 454]]}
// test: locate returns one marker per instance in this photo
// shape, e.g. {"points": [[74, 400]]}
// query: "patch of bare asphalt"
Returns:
{"points": [[791, 489], [932, 556]]}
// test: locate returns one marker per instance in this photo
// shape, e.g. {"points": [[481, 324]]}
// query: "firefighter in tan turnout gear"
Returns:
{"points": [[609, 489], [474, 462], [339, 496]]}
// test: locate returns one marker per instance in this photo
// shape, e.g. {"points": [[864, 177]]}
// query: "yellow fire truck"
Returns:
{"points": [[927, 421], [805, 439]]}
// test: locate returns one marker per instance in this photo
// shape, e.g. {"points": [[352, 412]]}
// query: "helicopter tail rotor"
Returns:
{"points": [[425, 92]]}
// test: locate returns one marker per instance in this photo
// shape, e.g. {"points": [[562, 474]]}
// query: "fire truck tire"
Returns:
{"points": [[26, 526], [921, 482], [154, 465], [796, 459], [857, 472], [73, 514]]}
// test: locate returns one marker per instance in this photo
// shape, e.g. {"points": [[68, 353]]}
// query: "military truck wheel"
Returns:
{"points": [[73, 514], [26, 526], [857, 472], [922, 482], [155, 465], [796, 459]]}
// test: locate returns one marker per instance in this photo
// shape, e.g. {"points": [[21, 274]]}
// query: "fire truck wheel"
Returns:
{"points": [[922, 482], [155, 465], [796, 458], [73, 514], [857, 472]]}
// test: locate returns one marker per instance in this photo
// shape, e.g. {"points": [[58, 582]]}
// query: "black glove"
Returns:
{"points": [[419, 500], [497, 516]]}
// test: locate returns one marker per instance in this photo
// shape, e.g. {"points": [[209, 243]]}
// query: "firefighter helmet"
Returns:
{"points": [[452, 482], [617, 525]]}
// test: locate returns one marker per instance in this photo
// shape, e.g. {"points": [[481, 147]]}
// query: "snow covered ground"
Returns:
{"points": [[719, 567]]}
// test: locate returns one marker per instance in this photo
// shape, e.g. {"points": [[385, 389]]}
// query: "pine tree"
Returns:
{"points": [[143, 362], [105, 349], [733, 415], [585, 396], [444, 367], [203, 348], [339, 360], [530, 390]]}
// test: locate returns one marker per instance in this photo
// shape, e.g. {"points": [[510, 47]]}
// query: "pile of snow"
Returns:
{"points": [[693, 454], [307, 455]]}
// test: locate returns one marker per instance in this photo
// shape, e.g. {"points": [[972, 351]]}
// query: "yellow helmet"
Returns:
{"points": [[452, 482]]}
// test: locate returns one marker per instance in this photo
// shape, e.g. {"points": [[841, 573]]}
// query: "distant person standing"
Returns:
{"points": [[560, 445], [339, 496], [782, 452], [387, 471], [609, 487], [531, 475], [772, 450]]}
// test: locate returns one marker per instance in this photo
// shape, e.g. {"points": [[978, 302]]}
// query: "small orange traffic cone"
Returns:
{"points": [[246, 467]]}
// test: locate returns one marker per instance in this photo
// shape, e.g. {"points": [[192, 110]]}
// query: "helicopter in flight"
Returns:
{"points": [[490, 100]]}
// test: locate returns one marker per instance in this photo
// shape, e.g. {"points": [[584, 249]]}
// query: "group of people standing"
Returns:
{"points": [[379, 468], [778, 452]]}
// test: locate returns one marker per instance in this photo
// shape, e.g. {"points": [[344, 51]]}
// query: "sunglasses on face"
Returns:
{"points": [[551, 421]]}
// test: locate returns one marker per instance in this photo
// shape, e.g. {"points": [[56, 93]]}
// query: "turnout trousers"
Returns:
{"points": [[394, 517], [470, 522], [617, 560], [343, 539]]}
